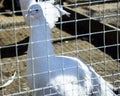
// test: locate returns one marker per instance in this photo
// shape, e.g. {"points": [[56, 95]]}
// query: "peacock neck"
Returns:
{"points": [[40, 38]]}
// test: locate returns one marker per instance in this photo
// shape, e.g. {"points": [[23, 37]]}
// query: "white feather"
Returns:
{"points": [[50, 11], [58, 75], [9, 81]]}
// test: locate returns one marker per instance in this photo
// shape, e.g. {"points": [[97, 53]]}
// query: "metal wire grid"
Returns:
{"points": [[82, 42]]}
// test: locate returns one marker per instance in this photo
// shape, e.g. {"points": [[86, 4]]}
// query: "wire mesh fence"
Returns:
{"points": [[91, 33]]}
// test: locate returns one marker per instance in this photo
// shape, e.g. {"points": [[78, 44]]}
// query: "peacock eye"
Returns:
{"points": [[37, 10]]}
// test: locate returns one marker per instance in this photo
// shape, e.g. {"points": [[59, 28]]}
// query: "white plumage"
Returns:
{"points": [[51, 14], [56, 75]]}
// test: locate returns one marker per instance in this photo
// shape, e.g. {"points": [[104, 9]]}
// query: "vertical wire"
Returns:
{"points": [[118, 40], [61, 44], [48, 55], [32, 56], [16, 45], [104, 42], [61, 37], [76, 44], [47, 40], [1, 69], [76, 33], [90, 55], [90, 38], [31, 59]]}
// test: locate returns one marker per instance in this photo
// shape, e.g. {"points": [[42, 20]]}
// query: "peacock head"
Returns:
{"points": [[42, 11], [35, 13]]}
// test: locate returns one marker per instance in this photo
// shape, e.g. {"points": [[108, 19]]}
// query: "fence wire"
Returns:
{"points": [[90, 33]]}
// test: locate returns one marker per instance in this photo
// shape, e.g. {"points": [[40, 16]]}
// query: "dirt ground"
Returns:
{"points": [[14, 35], [106, 12]]}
